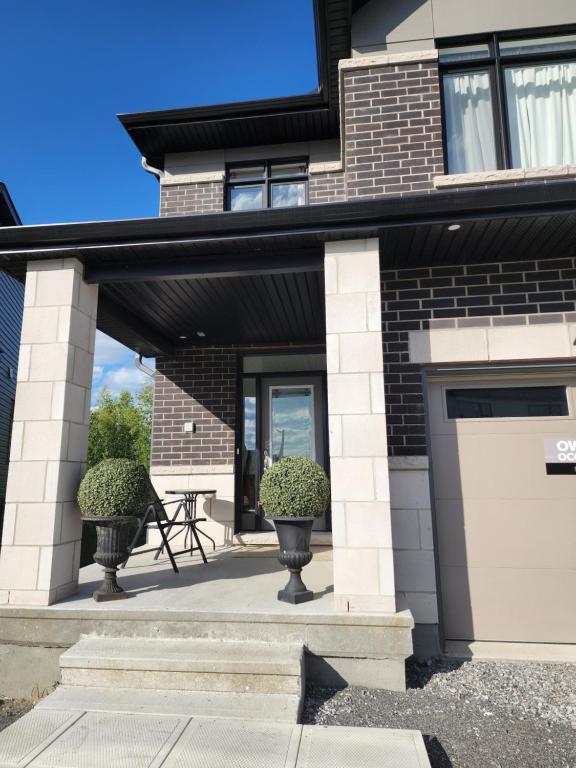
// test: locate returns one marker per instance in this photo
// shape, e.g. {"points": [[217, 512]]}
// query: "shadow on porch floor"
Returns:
{"points": [[230, 581]]}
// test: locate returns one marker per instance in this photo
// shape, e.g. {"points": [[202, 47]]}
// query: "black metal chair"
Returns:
{"points": [[156, 518]]}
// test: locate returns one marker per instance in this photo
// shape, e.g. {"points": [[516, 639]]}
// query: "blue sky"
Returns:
{"points": [[69, 67]]}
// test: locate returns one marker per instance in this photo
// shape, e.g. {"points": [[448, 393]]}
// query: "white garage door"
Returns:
{"points": [[506, 526]]}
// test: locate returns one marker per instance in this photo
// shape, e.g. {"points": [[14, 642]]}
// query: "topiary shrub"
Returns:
{"points": [[114, 487], [294, 487]]}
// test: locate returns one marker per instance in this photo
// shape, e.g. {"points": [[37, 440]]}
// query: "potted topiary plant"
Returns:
{"points": [[293, 492], [111, 495]]}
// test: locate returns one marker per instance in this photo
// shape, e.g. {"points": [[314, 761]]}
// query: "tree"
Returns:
{"points": [[121, 427]]}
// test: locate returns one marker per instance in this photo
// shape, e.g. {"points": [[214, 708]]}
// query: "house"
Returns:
{"points": [[379, 275], [11, 298]]}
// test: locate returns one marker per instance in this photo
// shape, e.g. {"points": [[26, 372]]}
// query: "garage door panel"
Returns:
{"points": [[446, 467], [507, 534], [506, 530], [503, 467], [511, 605]]}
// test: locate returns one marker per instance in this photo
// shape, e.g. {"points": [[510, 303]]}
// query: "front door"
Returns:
{"points": [[289, 419]]}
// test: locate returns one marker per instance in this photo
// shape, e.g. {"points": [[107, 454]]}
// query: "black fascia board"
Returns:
{"points": [[153, 132], [316, 223], [8, 214], [215, 112]]}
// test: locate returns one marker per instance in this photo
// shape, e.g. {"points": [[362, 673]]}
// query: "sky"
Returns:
{"points": [[69, 67]]}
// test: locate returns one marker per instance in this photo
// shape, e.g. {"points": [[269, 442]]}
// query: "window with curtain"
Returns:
{"points": [[469, 122], [509, 103]]}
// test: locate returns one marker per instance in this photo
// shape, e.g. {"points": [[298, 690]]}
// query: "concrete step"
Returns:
{"points": [[319, 538], [279, 707], [185, 665]]}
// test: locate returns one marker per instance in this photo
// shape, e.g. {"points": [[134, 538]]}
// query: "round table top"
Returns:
{"points": [[189, 492]]}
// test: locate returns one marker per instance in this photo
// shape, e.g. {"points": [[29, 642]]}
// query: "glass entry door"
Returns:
{"points": [[289, 424], [283, 416]]}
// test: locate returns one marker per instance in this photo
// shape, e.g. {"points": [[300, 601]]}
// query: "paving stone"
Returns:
{"points": [[323, 747], [235, 744], [30, 734], [102, 740]]}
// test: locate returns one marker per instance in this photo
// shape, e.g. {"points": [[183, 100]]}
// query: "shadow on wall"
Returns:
{"points": [[384, 25], [455, 603]]}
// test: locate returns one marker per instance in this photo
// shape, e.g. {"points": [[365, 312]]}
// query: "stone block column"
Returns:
{"points": [[361, 524], [40, 555]]}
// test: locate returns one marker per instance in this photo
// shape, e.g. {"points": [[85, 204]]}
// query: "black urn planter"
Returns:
{"points": [[294, 534], [113, 536]]}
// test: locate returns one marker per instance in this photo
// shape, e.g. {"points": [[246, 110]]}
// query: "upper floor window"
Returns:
{"points": [[270, 184], [509, 103]]}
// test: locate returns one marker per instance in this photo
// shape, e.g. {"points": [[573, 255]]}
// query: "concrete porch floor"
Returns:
{"points": [[234, 580]]}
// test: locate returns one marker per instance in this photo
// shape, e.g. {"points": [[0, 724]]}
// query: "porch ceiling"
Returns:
{"points": [[256, 277], [485, 240], [252, 309]]}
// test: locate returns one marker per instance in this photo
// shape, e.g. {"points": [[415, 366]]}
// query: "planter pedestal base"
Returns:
{"points": [[106, 597], [295, 598], [294, 538], [109, 589]]}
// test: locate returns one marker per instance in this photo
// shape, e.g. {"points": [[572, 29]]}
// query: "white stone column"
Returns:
{"points": [[40, 555], [361, 525]]}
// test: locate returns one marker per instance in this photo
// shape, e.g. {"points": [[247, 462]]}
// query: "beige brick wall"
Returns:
{"points": [[218, 509], [40, 553], [361, 527], [412, 540]]}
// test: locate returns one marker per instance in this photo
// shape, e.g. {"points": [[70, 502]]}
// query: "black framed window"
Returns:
{"points": [[509, 102], [267, 184], [506, 402]]}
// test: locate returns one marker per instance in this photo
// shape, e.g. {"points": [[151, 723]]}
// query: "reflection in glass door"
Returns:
{"points": [[291, 423], [249, 456]]}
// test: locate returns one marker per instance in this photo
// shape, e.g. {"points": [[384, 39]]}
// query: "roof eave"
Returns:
{"points": [[8, 214], [538, 198]]}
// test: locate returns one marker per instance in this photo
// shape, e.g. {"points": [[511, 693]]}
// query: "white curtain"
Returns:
{"points": [[469, 123], [542, 114]]}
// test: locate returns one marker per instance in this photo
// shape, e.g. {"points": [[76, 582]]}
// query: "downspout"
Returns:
{"points": [[159, 175], [150, 169], [142, 367], [149, 372]]}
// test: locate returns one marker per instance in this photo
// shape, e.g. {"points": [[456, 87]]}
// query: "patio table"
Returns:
{"points": [[189, 500]]}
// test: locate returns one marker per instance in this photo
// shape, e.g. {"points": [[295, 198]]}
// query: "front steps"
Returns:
{"points": [[218, 678]]}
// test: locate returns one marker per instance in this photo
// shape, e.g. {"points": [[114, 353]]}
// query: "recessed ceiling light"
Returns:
{"points": [[182, 337], [454, 227], [200, 333]]}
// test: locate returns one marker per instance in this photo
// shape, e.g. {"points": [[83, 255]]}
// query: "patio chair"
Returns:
{"points": [[156, 518]]}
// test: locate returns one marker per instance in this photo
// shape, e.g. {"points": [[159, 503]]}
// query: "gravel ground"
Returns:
{"points": [[472, 714], [12, 709]]}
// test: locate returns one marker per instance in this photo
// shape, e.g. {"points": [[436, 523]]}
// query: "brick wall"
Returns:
{"points": [[446, 297], [393, 129], [180, 199], [326, 188], [198, 385]]}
